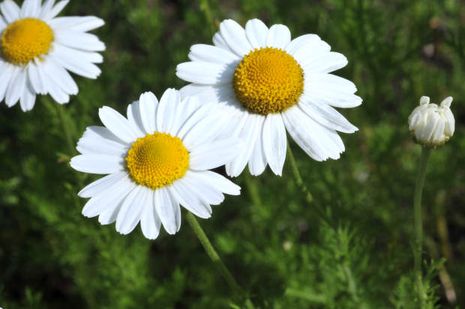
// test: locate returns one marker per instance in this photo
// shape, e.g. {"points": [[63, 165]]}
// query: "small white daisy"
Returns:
{"points": [[37, 49], [157, 158], [271, 83]]}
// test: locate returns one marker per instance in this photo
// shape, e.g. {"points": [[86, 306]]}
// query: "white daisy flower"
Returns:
{"points": [[156, 159], [271, 84], [37, 49]]}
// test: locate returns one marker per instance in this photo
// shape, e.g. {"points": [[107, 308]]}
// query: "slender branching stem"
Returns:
{"points": [[207, 11], [303, 187], [66, 129], [418, 225], [213, 255]]}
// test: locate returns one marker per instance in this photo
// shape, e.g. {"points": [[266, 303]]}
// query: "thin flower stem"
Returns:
{"points": [[65, 128], [303, 188], [213, 255], [206, 9], [418, 224], [253, 190]]}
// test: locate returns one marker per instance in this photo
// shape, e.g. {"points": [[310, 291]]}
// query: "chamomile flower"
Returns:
{"points": [[37, 49], [157, 159], [270, 84]]}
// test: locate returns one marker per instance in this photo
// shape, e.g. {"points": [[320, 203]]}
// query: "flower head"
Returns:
{"points": [[157, 159], [271, 84], [37, 49], [432, 125]]}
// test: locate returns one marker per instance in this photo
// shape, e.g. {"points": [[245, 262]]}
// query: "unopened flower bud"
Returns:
{"points": [[432, 125]]}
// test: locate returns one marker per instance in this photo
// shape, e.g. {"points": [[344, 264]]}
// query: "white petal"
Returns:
{"points": [[328, 116], [306, 41], [131, 209], [326, 63], [77, 23], [6, 72], [317, 141], [249, 135], [256, 32], [55, 10], [279, 36], [51, 87], [83, 56], [60, 77], [107, 202], [257, 160], [234, 35], [110, 214], [117, 124], [28, 98], [16, 86], [220, 182], [46, 7], [275, 142], [211, 119], [79, 40], [97, 164], [10, 10], [104, 134], [307, 49], [30, 8], [205, 73], [148, 105], [94, 141], [165, 111], [35, 79], [331, 90], [2, 23], [101, 185], [219, 41], [150, 222], [209, 53], [186, 195], [197, 117], [207, 193], [214, 154], [211, 94], [78, 62], [183, 111], [168, 210], [133, 115]]}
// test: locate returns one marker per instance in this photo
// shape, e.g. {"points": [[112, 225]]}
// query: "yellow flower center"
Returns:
{"points": [[268, 80], [25, 39], [157, 160]]}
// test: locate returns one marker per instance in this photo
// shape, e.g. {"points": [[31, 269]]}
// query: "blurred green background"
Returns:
{"points": [[273, 242]]}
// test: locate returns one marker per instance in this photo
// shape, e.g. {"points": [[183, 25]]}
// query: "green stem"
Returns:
{"points": [[206, 9], [65, 128], [253, 190], [213, 255], [418, 224], [303, 187]]}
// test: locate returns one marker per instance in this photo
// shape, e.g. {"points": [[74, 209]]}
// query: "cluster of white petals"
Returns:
{"points": [[431, 124]]}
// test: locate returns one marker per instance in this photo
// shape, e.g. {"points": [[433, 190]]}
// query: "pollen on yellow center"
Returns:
{"points": [[268, 80], [26, 39], [157, 160]]}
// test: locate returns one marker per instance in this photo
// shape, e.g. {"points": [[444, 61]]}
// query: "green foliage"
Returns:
{"points": [[281, 253]]}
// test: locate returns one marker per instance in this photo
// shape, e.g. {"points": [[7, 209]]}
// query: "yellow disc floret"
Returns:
{"points": [[268, 80], [157, 160], [26, 39]]}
